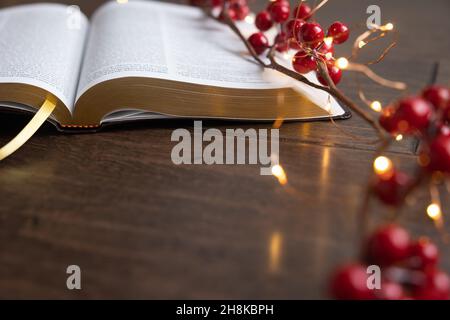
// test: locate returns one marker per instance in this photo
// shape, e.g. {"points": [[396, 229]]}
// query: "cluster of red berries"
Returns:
{"points": [[301, 34], [409, 270], [427, 117], [237, 9]]}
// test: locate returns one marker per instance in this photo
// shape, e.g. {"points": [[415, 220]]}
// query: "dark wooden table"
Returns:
{"points": [[141, 227]]}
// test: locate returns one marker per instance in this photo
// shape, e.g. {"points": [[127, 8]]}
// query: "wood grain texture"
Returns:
{"points": [[141, 227]]}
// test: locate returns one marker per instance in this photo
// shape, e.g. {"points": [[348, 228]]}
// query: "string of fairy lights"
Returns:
{"points": [[382, 165]]}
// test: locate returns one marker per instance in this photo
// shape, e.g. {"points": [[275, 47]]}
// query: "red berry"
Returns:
{"points": [[303, 62], [280, 11], [388, 245], [435, 286], [423, 254], [241, 8], [443, 130], [390, 291], [259, 42], [446, 115], [438, 96], [439, 154], [242, 13], [413, 114], [388, 120], [263, 21], [339, 32], [311, 34], [293, 28], [390, 188], [281, 42], [350, 283], [335, 75], [302, 12], [231, 13], [216, 3], [282, 2]]}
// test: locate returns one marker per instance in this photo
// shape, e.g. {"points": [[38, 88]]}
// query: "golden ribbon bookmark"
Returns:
{"points": [[30, 129]]}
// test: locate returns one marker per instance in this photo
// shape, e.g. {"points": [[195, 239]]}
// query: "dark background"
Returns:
{"points": [[140, 227]]}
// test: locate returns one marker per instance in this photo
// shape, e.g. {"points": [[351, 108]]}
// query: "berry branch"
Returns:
{"points": [[424, 117], [315, 51], [411, 266]]}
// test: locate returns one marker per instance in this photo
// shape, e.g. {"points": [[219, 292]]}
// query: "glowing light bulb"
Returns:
{"points": [[342, 63], [376, 106], [399, 137], [250, 19], [388, 27], [382, 165], [279, 173], [434, 211], [122, 1], [328, 41]]}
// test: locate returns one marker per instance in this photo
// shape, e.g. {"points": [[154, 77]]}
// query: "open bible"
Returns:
{"points": [[140, 60]]}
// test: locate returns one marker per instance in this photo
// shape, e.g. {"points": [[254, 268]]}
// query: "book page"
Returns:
{"points": [[166, 41], [42, 45], [175, 42]]}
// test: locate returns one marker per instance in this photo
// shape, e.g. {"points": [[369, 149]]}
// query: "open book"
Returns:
{"points": [[140, 60]]}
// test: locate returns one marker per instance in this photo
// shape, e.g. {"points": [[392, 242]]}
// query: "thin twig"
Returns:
{"points": [[227, 20], [348, 102], [317, 8], [383, 54], [375, 77], [273, 64]]}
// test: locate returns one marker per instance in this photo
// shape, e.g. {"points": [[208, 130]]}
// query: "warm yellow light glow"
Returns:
{"points": [[328, 55], [279, 173], [288, 56], [434, 211], [399, 137], [376, 106], [382, 165], [342, 63], [325, 166], [278, 123], [423, 160], [122, 1], [328, 107], [277, 170], [361, 44], [328, 41], [275, 245], [388, 27], [250, 19]]}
